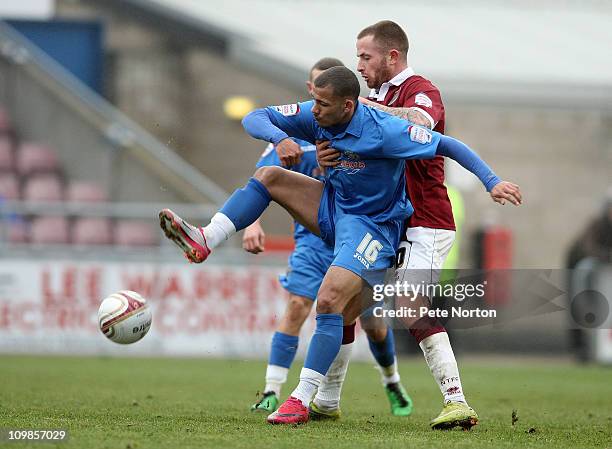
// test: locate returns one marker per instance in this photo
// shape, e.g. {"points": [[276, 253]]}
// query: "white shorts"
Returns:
{"points": [[422, 253]]}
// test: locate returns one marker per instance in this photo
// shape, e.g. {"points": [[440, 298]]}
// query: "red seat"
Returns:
{"points": [[36, 158], [43, 188], [7, 157], [135, 233], [85, 191], [49, 230], [92, 231], [9, 186]]}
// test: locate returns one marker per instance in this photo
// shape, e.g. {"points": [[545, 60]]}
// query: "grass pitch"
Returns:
{"points": [[189, 403]]}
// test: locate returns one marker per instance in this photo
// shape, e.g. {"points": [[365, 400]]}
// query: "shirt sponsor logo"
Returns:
{"points": [[287, 110], [351, 164], [423, 100], [419, 134]]}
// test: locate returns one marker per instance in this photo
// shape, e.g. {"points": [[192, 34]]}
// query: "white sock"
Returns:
{"points": [[441, 361], [219, 230], [389, 374], [309, 382], [328, 394], [276, 376]]}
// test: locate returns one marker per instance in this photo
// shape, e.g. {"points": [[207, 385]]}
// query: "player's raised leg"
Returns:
{"points": [[298, 194], [339, 286], [282, 352]]}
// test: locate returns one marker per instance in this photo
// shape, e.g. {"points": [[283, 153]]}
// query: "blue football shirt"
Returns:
{"points": [[370, 177]]}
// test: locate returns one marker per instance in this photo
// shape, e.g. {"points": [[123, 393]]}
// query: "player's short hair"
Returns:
{"points": [[342, 80], [325, 63], [388, 35]]}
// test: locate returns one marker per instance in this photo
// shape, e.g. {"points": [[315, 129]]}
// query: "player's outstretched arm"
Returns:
{"points": [[501, 191]]}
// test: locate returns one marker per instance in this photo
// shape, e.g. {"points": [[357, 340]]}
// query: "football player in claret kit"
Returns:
{"points": [[359, 209], [382, 51], [307, 265]]}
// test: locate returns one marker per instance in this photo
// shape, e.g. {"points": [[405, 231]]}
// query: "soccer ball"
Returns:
{"points": [[124, 317]]}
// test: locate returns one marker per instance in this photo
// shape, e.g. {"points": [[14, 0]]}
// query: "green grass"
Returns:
{"points": [[189, 403]]}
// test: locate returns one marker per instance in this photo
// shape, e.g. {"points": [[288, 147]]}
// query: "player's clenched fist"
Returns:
{"points": [[289, 152], [326, 156], [506, 191], [254, 238]]}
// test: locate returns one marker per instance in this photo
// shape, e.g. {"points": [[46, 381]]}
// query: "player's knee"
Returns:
{"points": [[268, 176], [376, 334], [329, 300], [298, 309]]}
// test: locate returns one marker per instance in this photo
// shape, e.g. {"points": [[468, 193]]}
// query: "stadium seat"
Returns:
{"points": [[9, 186], [7, 157], [135, 233], [41, 187], [49, 230], [92, 231], [36, 158], [86, 192]]}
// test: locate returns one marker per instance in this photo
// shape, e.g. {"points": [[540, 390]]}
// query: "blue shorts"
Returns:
{"points": [[360, 245], [307, 266]]}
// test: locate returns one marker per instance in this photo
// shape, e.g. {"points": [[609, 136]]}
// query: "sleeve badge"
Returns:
{"points": [[287, 110], [423, 100], [419, 134]]}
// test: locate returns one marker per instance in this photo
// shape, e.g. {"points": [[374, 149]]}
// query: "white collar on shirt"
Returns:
{"points": [[395, 81]]}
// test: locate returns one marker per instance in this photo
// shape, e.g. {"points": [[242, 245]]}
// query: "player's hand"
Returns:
{"points": [[289, 152], [326, 156], [506, 191], [254, 238]]}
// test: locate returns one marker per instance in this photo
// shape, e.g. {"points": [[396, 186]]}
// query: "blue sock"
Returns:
{"points": [[325, 342], [246, 204], [384, 351], [283, 350]]}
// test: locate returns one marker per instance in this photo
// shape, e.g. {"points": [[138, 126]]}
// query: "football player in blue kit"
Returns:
{"points": [[308, 264], [359, 209]]}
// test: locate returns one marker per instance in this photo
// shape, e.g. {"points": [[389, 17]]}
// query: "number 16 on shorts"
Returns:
{"points": [[368, 250]]}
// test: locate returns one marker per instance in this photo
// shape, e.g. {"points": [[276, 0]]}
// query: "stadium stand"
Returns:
{"points": [[62, 146]]}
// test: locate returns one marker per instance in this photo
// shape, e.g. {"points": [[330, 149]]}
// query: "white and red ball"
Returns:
{"points": [[124, 317]]}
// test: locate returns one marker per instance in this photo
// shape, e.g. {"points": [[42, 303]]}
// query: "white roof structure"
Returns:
{"points": [[545, 51]]}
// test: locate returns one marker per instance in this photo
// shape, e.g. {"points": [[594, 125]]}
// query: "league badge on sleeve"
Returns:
{"points": [[288, 110], [419, 134], [423, 100]]}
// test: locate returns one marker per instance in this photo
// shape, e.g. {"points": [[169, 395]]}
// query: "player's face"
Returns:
{"points": [[373, 62], [328, 109]]}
